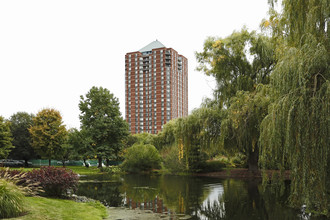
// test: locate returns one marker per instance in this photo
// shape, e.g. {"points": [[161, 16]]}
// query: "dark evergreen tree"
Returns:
{"points": [[19, 125]]}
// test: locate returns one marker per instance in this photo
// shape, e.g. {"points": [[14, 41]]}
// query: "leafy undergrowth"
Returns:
{"points": [[54, 209]]}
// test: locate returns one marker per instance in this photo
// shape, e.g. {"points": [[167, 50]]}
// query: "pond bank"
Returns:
{"points": [[116, 213], [243, 173]]}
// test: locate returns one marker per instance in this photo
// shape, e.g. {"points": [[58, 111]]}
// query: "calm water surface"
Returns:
{"points": [[198, 197]]}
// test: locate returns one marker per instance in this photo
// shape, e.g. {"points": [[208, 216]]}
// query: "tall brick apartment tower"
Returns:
{"points": [[156, 81]]}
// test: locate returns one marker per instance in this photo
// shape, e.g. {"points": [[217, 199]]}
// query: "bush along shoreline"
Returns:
{"points": [[32, 195]]}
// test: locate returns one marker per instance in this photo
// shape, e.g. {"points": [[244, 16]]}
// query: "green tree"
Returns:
{"points": [[188, 141], [145, 138], [166, 137], [296, 131], [19, 125], [193, 136], [192, 139], [48, 133], [211, 120], [5, 138], [67, 153], [238, 63], [81, 144], [130, 140], [101, 118], [241, 128]]}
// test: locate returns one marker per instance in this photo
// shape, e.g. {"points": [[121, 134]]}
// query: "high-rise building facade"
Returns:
{"points": [[156, 81]]}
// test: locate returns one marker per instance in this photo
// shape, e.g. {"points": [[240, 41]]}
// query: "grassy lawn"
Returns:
{"points": [[77, 169], [53, 208], [84, 170], [48, 208]]}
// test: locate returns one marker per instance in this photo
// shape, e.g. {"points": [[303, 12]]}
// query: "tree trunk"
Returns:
{"points": [[49, 162], [253, 159], [85, 164], [26, 164], [107, 162], [100, 162], [63, 163]]}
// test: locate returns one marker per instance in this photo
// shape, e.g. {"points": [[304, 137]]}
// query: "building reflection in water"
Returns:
{"points": [[156, 205]]}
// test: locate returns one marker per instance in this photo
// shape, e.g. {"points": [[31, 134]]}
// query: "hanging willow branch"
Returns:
{"points": [[295, 134]]}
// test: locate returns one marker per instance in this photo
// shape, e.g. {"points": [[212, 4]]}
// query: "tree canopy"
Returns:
{"points": [[289, 119], [81, 144], [101, 119], [241, 65], [48, 133], [296, 131], [196, 136], [238, 62], [240, 130], [5, 138], [19, 125]]}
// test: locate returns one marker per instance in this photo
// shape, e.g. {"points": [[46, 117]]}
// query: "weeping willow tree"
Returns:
{"points": [[296, 132], [196, 136], [166, 138], [211, 120], [241, 128], [240, 63], [188, 136]]}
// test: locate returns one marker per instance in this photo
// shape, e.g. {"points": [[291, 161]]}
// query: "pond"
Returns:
{"points": [[197, 197]]}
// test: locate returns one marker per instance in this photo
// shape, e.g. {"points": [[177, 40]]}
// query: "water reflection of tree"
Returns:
{"points": [[107, 191], [244, 200], [188, 195], [140, 188], [182, 194]]}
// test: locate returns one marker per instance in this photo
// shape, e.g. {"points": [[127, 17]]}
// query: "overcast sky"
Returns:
{"points": [[51, 52]]}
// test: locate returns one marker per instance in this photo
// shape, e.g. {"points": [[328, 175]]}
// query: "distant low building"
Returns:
{"points": [[156, 79]]}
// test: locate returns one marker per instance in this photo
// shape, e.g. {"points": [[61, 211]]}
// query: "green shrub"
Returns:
{"points": [[171, 160], [11, 199], [239, 160], [111, 170], [223, 159], [141, 157], [213, 166]]}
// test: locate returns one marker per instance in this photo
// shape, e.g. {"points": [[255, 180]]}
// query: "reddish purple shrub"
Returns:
{"points": [[54, 181]]}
